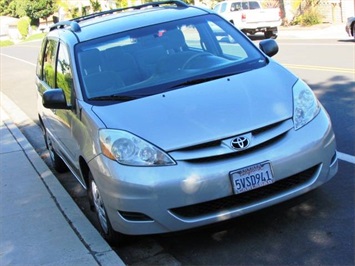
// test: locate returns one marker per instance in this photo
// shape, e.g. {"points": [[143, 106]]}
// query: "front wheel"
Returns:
{"points": [[98, 206], [57, 162]]}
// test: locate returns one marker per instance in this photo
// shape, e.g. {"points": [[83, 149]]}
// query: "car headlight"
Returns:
{"points": [[305, 104], [129, 149]]}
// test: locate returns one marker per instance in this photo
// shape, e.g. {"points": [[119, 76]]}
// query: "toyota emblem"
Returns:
{"points": [[240, 143]]}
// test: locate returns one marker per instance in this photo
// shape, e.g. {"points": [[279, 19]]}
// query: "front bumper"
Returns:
{"points": [[147, 200]]}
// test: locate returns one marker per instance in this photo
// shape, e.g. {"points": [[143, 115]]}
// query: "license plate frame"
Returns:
{"points": [[252, 177]]}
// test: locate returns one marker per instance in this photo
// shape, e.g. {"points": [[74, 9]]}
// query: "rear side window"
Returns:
{"points": [[49, 62], [236, 6], [40, 60], [254, 5], [221, 8]]}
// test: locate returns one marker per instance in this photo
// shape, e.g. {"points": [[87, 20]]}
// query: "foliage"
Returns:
{"points": [[270, 3], [96, 6], [190, 2], [75, 12], [295, 4], [307, 13], [34, 9], [121, 3], [7, 8], [23, 26], [126, 3], [37, 9], [308, 18]]}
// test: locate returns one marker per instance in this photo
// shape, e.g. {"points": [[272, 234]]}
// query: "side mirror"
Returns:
{"points": [[54, 99], [269, 47]]}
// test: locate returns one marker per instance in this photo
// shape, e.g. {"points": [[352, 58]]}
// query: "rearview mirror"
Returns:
{"points": [[54, 99], [269, 47]]}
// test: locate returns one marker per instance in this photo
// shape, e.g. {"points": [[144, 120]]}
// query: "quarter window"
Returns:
{"points": [[192, 36], [49, 63]]}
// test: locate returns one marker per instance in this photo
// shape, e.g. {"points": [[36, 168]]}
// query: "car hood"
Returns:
{"points": [[207, 111]]}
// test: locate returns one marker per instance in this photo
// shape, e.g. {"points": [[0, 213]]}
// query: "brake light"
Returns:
{"points": [[244, 16]]}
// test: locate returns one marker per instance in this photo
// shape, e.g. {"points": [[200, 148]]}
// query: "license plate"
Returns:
{"points": [[252, 177]]}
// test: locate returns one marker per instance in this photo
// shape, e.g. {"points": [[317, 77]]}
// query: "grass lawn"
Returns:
{"points": [[37, 36]]}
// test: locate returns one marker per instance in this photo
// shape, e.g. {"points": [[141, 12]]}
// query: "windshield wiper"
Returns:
{"points": [[123, 98], [200, 80]]}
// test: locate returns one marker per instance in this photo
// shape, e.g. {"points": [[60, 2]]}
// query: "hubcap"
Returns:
{"points": [[99, 206]]}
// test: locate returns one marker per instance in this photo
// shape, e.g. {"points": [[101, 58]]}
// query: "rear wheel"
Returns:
{"points": [[98, 206], [57, 162]]}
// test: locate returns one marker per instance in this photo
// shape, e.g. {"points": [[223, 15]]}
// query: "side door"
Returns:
{"points": [[57, 74]]}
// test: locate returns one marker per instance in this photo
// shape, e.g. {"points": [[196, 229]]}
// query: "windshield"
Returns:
{"points": [[163, 57]]}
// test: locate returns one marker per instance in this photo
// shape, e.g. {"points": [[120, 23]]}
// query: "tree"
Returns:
{"points": [[39, 9], [34, 9], [96, 6], [8, 8]]}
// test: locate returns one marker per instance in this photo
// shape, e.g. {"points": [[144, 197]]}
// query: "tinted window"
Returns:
{"points": [[64, 73], [49, 63], [223, 7], [254, 5], [158, 58], [236, 6], [40, 61]]}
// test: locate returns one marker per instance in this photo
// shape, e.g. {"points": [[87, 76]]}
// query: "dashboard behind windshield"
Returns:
{"points": [[155, 59]]}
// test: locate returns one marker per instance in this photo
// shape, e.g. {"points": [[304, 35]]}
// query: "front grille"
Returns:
{"points": [[221, 149], [250, 197]]}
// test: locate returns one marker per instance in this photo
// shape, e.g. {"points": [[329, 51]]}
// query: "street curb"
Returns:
{"points": [[85, 231]]}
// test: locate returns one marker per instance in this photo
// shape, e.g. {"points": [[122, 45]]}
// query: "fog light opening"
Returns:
{"points": [[135, 216]]}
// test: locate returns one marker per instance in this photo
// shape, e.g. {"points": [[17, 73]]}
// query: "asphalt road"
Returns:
{"points": [[315, 229]]}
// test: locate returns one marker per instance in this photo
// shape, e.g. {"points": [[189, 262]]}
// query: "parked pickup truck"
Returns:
{"points": [[250, 17]]}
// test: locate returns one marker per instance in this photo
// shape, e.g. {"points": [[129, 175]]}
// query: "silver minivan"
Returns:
{"points": [[171, 118]]}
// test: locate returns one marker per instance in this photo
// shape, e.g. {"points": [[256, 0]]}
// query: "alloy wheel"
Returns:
{"points": [[99, 207]]}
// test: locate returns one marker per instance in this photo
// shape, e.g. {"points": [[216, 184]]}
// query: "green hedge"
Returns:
{"points": [[23, 26]]}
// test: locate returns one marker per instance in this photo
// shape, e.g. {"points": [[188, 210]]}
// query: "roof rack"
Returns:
{"points": [[74, 26], [74, 23]]}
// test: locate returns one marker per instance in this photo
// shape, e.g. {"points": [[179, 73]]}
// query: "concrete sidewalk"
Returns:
{"points": [[39, 222], [320, 31]]}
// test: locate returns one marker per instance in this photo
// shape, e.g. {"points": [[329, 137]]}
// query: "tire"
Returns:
{"points": [[57, 162], [270, 35], [97, 205]]}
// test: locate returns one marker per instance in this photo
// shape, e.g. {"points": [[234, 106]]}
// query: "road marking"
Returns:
{"points": [[346, 157], [18, 59], [321, 68]]}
